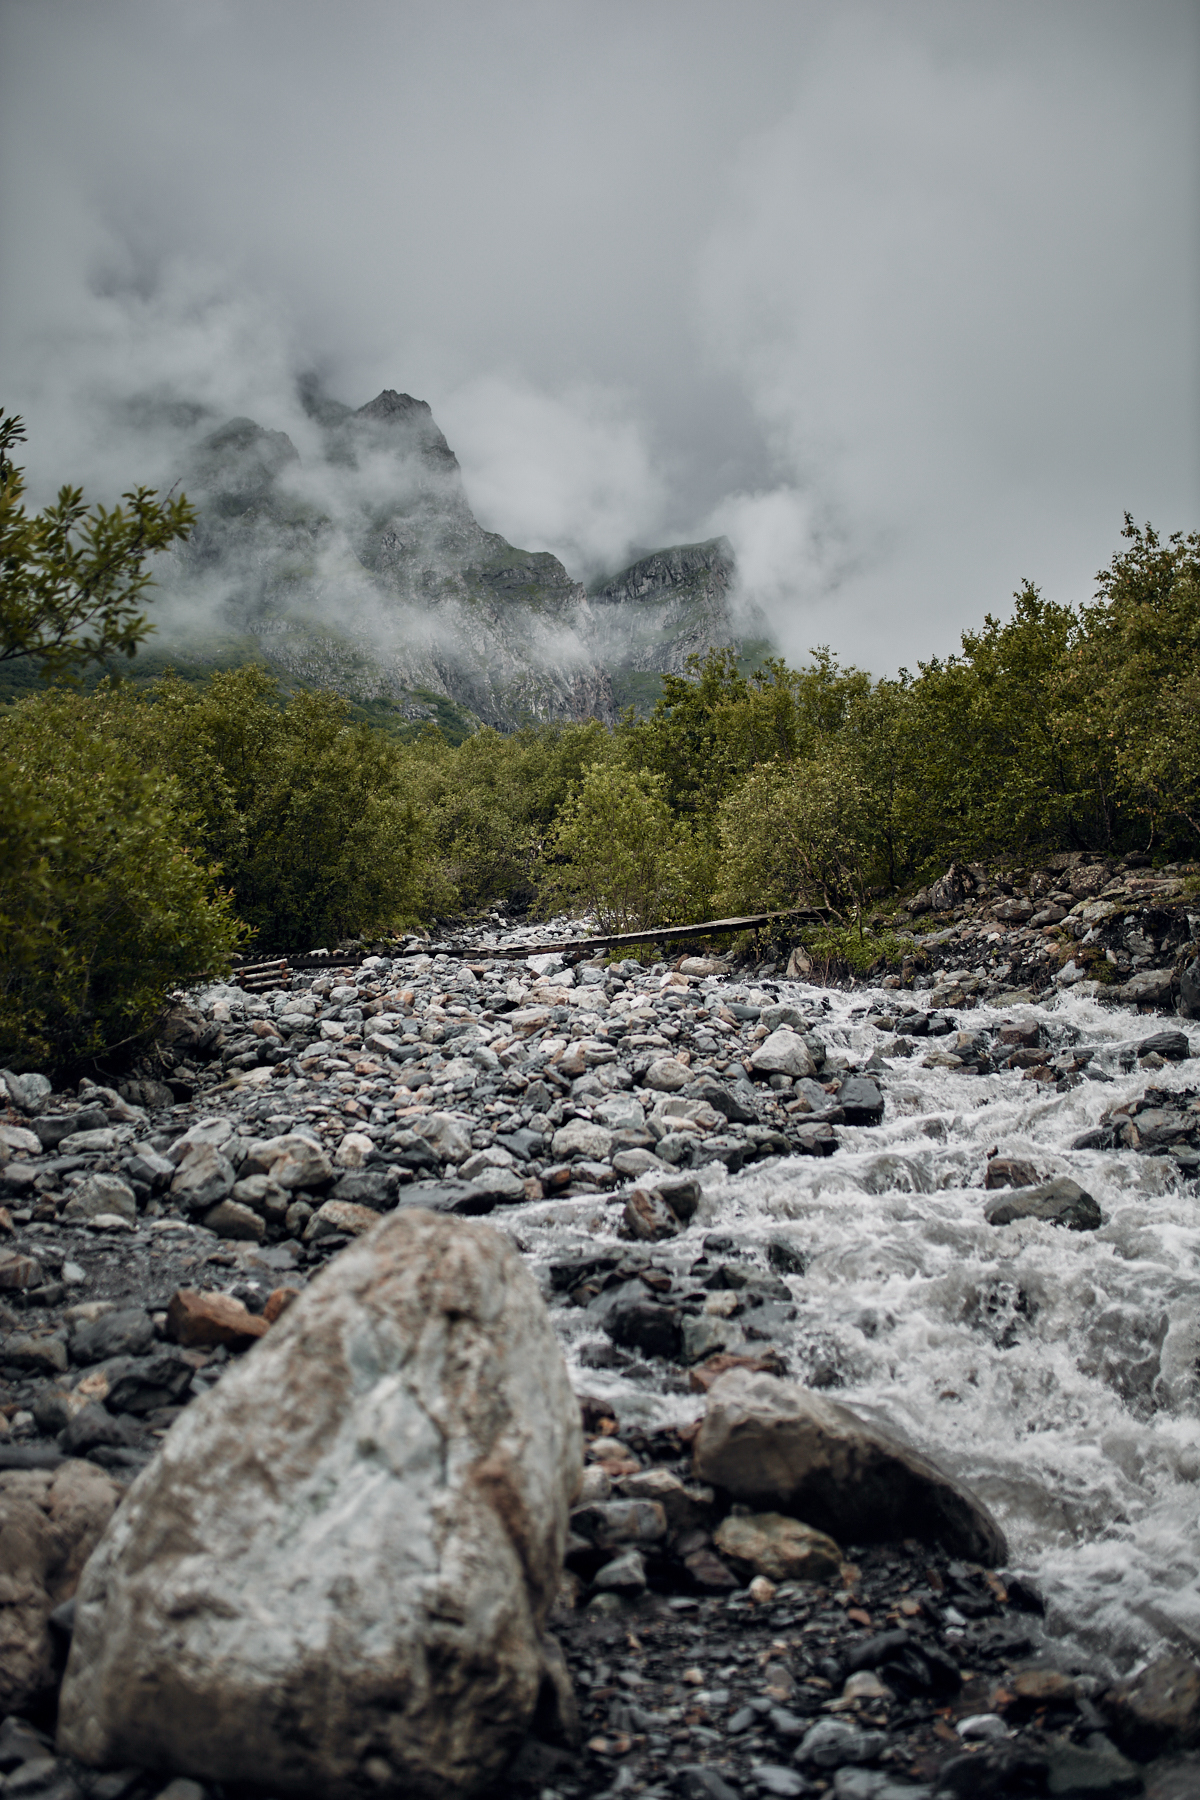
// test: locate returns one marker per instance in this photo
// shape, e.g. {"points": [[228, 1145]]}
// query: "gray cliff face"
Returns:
{"points": [[364, 569], [666, 607]]}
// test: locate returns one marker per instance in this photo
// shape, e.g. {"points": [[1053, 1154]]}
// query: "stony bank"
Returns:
{"points": [[681, 1155]]}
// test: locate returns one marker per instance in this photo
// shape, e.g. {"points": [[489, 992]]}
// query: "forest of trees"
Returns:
{"points": [[148, 834]]}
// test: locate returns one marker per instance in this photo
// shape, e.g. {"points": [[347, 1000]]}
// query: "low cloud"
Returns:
{"points": [[570, 472]]}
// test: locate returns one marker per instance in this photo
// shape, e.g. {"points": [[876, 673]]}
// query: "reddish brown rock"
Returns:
{"points": [[202, 1321], [278, 1302]]}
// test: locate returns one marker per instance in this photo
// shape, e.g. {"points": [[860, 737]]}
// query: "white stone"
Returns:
{"points": [[542, 965], [19, 1142], [360, 1528]]}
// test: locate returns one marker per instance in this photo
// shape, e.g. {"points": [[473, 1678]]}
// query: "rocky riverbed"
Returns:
{"points": [[962, 1204]]}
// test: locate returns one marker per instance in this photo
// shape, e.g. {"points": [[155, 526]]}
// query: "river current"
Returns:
{"points": [[1057, 1372]]}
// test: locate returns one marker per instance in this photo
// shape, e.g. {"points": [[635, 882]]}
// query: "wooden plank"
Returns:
{"points": [[660, 934]]}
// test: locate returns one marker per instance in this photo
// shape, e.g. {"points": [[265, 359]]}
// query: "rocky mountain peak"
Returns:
{"points": [[397, 420]]}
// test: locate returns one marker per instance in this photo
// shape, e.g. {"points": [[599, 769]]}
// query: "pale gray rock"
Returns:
{"points": [[579, 1137], [203, 1178], [204, 1131], [99, 1194], [784, 1052], [336, 1572], [667, 1075], [775, 1444], [29, 1092], [448, 1136]]}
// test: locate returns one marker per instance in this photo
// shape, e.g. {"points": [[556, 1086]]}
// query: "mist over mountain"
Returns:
{"points": [[361, 566]]}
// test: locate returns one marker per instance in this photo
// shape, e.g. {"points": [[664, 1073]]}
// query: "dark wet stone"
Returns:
{"points": [[1172, 1046], [128, 1332], [646, 1325], [1059, 1202]]}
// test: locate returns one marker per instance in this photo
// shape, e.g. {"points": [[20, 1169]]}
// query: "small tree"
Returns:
{"points": [[72, 580], [616, 851]]}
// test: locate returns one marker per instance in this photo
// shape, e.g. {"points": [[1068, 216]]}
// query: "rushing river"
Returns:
{"points": [[1055, 1371]]}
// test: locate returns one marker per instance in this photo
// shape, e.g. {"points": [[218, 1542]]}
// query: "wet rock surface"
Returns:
{"points": [[687, 1212]]}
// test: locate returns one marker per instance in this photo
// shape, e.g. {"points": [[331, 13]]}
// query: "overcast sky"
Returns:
{"points": [[904, 297]]}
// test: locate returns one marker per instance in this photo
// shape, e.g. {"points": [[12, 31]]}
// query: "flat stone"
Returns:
{"points": [[634, 1163], [773, 1443], [624, 1574], [1058, 1202], [781, 1548], [90, 1143]]}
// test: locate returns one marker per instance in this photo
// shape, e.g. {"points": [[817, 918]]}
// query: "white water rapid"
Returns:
{"points": [[1055, 1371]]}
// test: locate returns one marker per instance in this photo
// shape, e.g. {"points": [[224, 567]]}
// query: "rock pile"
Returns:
{"points": [[1130, 931]]}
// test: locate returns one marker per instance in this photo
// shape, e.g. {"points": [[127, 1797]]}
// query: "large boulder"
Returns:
{"points": [[49, 1524], [335, 1574], [773, 1444]]}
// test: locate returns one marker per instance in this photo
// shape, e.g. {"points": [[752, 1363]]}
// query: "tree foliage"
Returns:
{"points": [[104, 901], [73, 579]]}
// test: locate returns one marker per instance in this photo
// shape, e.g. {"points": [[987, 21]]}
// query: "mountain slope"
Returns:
{"points": [[363, 568]]}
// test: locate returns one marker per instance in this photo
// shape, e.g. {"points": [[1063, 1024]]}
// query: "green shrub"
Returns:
{"points": [[310, 816], [797, 834], [103, 906], [615, 851]]}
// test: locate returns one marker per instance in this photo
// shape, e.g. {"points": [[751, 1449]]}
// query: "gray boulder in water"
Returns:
{"points": [[774, 1444], [333, 1579]]}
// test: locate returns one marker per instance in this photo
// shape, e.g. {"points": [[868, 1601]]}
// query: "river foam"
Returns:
{"points": [[1055, 1371]]}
